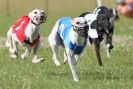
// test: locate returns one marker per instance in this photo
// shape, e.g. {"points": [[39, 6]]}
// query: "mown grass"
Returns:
{"points": [[116, 73]]}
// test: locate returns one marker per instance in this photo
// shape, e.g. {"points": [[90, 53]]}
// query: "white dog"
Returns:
{"points": [[72, 35], [26, 33]]}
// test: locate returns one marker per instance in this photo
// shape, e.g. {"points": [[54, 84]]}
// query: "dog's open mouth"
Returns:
{"points": [[83, 31], [42, 19]]}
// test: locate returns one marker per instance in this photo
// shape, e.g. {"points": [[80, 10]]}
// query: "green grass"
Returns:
{"points": [[116, 73]]}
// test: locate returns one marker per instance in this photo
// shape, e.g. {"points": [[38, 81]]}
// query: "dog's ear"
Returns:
{"points": [[83, 14]]}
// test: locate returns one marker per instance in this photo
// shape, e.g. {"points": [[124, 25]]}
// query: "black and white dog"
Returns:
{"points": [[104, 27], [71, 34], [112, 15], [25, 32]]}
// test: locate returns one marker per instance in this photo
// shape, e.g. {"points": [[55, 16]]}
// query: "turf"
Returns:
{"points": [[116, 73]]}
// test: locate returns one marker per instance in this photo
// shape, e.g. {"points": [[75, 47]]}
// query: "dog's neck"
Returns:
{"points": [[31, 31], [33, 22], [76, 38]]}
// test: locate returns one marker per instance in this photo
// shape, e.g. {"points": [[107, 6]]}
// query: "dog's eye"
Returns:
{"points": [[42, 13], [78, 23], [35, 12]]}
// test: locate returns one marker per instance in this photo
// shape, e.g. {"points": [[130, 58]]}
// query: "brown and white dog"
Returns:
{"points": [[25, 32], [72, 35]]}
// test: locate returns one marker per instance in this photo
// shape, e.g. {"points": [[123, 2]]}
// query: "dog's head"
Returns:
{"points": [[37, 16], [80, 26]]}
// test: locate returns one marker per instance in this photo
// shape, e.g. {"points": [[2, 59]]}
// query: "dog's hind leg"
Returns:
{"points": [[54, 41], [55, 54], [8, 39], [13, 48]]}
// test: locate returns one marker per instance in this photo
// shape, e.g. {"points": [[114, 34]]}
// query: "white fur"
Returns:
{"points": [[55, 42], [31, 33], [90, 18]]}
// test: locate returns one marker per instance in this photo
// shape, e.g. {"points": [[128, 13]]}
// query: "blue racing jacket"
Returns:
{"points": [[64, 27]]}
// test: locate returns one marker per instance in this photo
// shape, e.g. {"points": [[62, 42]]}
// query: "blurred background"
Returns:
{"points": [[117, 72], [11, 10]]}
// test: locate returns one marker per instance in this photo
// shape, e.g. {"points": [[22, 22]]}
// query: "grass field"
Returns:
{"points": [[116, 73]]}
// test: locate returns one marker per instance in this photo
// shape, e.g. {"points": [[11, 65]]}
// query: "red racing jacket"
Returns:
{"points": [[19, 29]]}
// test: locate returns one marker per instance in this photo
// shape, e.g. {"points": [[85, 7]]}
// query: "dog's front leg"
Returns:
{"points": [[76, 58], [71, 60], [108, 41], [97, 50], [26, 53], [35, 58]]}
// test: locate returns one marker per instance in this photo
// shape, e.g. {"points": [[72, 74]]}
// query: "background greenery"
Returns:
{"points": [[116, 73]]}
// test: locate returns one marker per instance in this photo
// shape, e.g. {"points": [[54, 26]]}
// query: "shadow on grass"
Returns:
{"points": [[95, 75]]}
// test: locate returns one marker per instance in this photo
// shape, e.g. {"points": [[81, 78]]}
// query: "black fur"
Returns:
{"points": [[104, 27]]}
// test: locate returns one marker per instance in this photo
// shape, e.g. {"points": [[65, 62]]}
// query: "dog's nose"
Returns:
{"points": [[42, 18]]}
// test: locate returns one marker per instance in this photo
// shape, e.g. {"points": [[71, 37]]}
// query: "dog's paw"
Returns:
{"points": [[13, 56], [23, 56], [12, 51], [37, 60], [76, 80], [56, 62]]}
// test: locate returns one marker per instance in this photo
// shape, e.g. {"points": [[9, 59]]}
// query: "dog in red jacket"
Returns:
{"points": [[25, 32]]}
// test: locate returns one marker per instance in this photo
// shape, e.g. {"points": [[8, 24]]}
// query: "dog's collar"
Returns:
{"points": [[33, 22]]}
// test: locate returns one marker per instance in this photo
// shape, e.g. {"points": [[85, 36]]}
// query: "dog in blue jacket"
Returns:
{"points": [[72, 35]]}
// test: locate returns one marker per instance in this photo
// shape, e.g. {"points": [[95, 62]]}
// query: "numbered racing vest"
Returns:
{"points": [[64, 27], [19, 29]]}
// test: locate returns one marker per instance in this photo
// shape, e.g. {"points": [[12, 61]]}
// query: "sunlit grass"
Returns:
{"points": [[116, 72]]}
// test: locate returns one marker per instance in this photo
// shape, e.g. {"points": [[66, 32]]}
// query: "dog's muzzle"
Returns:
{"points": [[40, 19], [82, 31], [37, 20]]}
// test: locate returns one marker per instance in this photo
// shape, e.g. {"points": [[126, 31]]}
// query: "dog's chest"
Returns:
{"points": [[91, 19], [31, 31], [77, 40]]}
